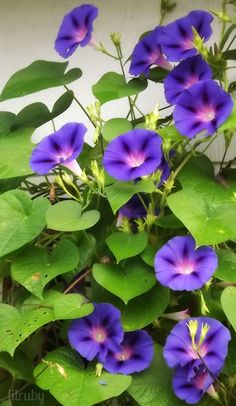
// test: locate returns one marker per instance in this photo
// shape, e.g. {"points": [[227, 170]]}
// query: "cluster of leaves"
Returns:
{"points": [[60, 249]]}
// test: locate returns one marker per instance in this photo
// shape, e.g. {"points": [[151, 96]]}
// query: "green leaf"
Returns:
{"points": [[169, 221], [21, 220], [226, 270], [208, 223], [115, 127], [230, 123], [113, 86], [120, 192], [15, 152], [10, 183], [6, 120], [72, 384], [157, 75], [19, 366], [67, 216], [228, 301], [87, 249], [153, 386], [32, 116], [126, 245], [90, 154], [126, 282], [148, 255], [38, 76], [230, 54], [71, 306], [17, 325], [227, 33], [170, 133], [34, 267], [62, 104]]}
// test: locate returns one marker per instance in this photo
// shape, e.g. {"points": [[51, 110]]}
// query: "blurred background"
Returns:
{"points": [[28, 29]]}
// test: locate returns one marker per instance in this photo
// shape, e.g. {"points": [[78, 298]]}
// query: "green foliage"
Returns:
{"points": [[115, 127], [21, 220], [228, 301], [113, 86], [126, 245], [125, 281], [34, 267], [65, 376], [71, 306], [68, 216], [226, 266], [38, 76]]}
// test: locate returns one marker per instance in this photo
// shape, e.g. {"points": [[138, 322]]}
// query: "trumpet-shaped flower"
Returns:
{"points": [[177, 38], [180, 266], [94, 335], [135, 354], [134, 154], [202, 107], [76, 29], [184, 75], [59, 148], [148, 52]]}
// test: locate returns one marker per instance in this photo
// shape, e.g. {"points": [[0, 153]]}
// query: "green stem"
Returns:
{"points": [[81, 106]]}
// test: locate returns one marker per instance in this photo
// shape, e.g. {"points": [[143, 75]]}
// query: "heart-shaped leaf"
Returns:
{"points": [[126, 245], [21, 219], [228, 301], [125, 282], [38, 76], [115, 127], [72, 384], [113, 86], [67, 216], [226, 270], [34, 268], [71, 306]]}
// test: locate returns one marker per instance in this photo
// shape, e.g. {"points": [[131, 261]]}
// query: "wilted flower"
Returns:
{"points": [[146, 53], [94, 335], [202, 107], [180, 266], [135, 355], [196, 336], [59, 148], [134, 154], [184, 75], [177, 38], [76, 29]]}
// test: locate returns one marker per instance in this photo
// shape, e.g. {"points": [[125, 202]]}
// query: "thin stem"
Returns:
{"points": [[223, 158], [81, 106], [53, 125], [143, 202], [230, 43], [208, 145], [77, 281]]}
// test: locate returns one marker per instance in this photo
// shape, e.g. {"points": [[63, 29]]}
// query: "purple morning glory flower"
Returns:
{"points": [[202, 107], [180, 266], [134, 207], [184, 75], [94, 335], [76, 29], [191, 390], [59, 148], [146, 53], [194, 336], [176, 38], [135, 355], [134, 154]]}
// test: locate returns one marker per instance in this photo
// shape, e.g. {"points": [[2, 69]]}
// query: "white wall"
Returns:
{"points": [[28, 29]]}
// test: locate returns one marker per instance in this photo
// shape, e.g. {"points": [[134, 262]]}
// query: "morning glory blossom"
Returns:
{"points": [[135, 355], [204, 106], [176, 39], [180, 266], [94, 335], [146, 53], [184, 75], [134, 154], [59, 148], [76, 29]]}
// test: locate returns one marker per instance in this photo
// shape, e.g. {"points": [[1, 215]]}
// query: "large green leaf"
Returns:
{"points": [[21, 219], [115, 127], [226, 270], [19, 366], [126, 282], [15, 152], [72, 384], [6, 120], [39, 75], [153, 386], [228, 301], [120, 192], [34, 267], [71, 306], [67, 216], [126, 245], [113, 86]]}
